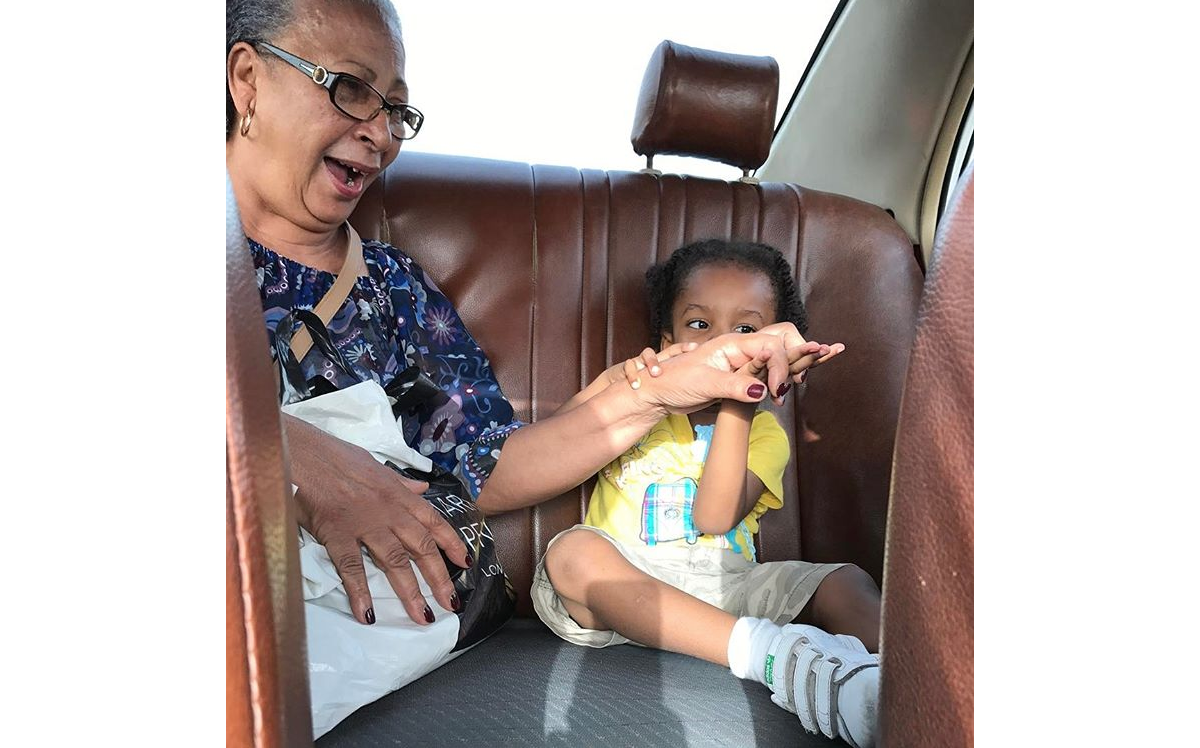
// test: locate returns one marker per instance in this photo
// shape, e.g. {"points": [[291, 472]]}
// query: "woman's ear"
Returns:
{"points": [[241, 75], [667, 339]]}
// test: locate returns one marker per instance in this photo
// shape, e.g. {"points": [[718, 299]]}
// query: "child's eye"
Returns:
{"points": [[697, 324], [744, 329]]}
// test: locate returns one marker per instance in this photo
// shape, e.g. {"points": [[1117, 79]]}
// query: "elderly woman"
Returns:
{"points": [[317, 108]]}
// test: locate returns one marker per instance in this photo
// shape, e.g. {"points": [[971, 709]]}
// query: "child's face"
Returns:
{"points": [[717, 299]]}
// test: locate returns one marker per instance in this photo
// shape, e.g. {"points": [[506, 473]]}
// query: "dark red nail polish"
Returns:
{"points": [[470, 560], [428, 615], [783, 389], [455, 603], [756, 391], [370, 615]]}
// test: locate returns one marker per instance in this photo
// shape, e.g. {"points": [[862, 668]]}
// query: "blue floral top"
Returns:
{"points": [[395, 317]]}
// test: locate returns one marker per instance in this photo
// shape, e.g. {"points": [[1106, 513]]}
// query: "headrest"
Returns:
{"points": [[713, 105]]}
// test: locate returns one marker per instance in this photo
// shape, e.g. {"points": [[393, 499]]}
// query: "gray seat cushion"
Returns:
{"points": [[525, 686]]}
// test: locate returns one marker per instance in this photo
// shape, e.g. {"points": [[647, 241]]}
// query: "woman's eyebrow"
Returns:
{"points": [[399, 88]]}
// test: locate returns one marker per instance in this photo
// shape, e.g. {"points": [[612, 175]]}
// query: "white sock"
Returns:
{"points": [[749, 644]]}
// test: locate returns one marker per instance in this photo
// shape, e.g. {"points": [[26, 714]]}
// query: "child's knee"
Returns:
{"points": [[569, 560], [845, 584]]}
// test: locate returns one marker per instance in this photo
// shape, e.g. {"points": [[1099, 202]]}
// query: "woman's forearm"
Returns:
{"points": [[544, 459]]}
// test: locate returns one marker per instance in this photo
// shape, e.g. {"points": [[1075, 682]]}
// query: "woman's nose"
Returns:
{"points": [[375, 132]]}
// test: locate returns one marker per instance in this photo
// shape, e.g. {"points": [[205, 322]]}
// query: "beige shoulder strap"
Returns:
{"points": [[332, 301]]}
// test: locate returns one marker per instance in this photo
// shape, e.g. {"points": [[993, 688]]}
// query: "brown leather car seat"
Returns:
{"points": [[266, 690], [928, 651]]}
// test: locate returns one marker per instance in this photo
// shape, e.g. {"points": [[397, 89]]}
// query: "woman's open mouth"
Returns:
{"points": [[347, 178]]}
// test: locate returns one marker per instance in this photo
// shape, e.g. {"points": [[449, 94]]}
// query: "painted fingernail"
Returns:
{"points": [[470, 560], [428, 615], [637, 383], [756, 391], [803, 376], [370, 615], [783, 389], [655, 371], [455, 603]]}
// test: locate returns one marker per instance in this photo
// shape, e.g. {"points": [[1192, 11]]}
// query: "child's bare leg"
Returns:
{"points": [[846, 602], [602, 590]]}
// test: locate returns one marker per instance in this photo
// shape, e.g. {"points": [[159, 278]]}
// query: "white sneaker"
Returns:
{"points": [[829, 681]]}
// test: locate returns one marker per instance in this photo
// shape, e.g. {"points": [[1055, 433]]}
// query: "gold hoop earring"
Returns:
{"points": [[247, 118]]}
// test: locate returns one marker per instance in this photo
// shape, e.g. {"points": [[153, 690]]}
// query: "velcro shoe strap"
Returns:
{"points": [[802, 678], [825, 698]]}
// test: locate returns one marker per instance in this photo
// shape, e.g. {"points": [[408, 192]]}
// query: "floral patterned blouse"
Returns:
{"points": [[395, 317]]}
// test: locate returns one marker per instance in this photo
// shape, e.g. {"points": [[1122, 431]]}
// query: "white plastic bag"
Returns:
{"points": [[351, 664]]}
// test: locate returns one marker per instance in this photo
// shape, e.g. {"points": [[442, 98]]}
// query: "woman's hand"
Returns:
{"points": [[800, 361], [803, 358], [718, 370], [649, 359], [347, 499]]}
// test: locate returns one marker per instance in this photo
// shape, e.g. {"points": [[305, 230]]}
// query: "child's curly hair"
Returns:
{"points": [[664, 280]]}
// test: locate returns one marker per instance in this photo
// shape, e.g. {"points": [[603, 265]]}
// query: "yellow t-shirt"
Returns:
{"points": [[645, 495]]}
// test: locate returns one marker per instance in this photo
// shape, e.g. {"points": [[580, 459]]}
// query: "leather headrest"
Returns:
{"points": [[713, 105]]}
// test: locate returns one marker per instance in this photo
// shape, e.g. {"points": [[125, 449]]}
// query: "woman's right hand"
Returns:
{"points": [[718, 370], [346, 499]]}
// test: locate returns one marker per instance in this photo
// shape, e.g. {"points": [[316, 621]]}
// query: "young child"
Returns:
{"points": [[666, 556]]}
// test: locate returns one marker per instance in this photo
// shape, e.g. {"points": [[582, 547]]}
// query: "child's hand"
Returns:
{"points": [[799, 369], [648, 359]]}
